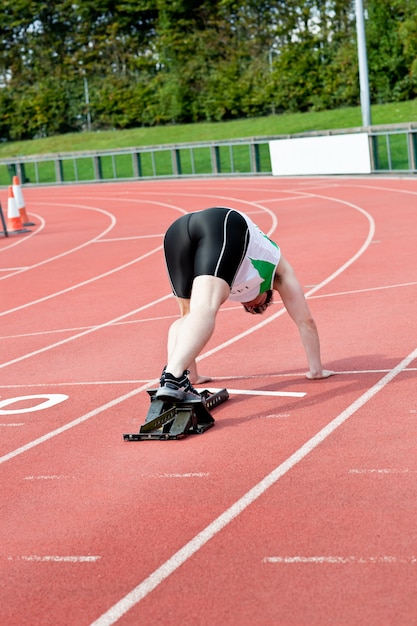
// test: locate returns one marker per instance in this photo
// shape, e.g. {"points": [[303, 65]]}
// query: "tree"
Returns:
{"points": [[169, 61], [390, 33]]}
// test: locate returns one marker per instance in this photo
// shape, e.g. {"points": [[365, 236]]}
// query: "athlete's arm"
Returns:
{"points": [[287, 285]]}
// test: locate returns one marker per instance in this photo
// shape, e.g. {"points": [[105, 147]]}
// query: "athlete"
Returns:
{"points": [[214, 255]]}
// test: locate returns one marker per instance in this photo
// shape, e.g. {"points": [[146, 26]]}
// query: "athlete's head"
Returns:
{"points": [[260, 303]]}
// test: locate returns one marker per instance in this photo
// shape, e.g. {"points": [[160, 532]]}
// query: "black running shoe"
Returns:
{"points": [[162, 379], [179, 389]]}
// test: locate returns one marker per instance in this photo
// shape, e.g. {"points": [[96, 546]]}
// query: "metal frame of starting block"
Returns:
{"points": [[175, 420]]}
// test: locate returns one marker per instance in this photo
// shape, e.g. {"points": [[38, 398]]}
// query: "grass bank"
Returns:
{"points": [[393, 113]]}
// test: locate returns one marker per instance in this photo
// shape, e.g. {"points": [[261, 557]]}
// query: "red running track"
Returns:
{"points": [[294, 509]]}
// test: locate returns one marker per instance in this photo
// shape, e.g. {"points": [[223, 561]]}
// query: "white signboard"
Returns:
{"points": [[333, 154]]}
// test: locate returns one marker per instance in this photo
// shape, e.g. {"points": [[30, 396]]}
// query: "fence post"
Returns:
{"points": [[11, 168], [59, 172], [412, 149], [373, 149], [215, 159], [22, 173], [137, 164], [254, 158], [98, 174], [176, 162]]}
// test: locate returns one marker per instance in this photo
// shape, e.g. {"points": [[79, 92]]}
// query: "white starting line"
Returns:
{"points": [[55, 558], [341, 559], [251, 392]]}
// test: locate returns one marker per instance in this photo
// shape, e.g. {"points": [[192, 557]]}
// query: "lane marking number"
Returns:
{"points": [[49, 400]]}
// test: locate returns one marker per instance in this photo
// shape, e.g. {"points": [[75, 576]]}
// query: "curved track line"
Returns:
{"points": [[366, 290], [83, 245], [220, 346], [83, 333], [82, 284], [153, 382], [189, 549], [327, 280], [94, 240], [234, 377], [69, 425], [26, 237], [394, 190], [354, 258], [272, 215], [57, 331]]}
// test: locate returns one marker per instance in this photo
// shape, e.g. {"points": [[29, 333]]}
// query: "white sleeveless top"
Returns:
{"points": [[257, 271]]}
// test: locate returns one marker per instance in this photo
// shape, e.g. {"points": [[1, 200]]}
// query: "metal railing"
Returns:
{"points": [[393, 149]]}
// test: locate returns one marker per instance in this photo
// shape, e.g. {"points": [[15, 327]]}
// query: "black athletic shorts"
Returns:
{"points": [[212, 242]]}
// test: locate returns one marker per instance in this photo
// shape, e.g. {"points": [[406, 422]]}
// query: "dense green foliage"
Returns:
{"points": [[70, 65]]}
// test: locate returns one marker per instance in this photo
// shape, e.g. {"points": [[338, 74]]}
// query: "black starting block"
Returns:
{"points": [[169, 420]]}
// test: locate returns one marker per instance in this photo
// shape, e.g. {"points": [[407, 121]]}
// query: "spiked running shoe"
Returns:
{"points": [[179, 389], [161, 380]]}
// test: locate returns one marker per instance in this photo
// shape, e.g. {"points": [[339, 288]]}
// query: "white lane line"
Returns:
{"points": [[134, 392], [76, 422], [340, 559], [365, 290], [141, 381], [81, 284], [107, 240], [216, 349], [80, 383], [85, 332], [222, 310], [326, 281], [17, 242], [159, 318], [232, 340], [80, 420], [382, 471], [186, 475], [55, 558], [189, 549], [62, 254], [255, 392], [51, 477]]}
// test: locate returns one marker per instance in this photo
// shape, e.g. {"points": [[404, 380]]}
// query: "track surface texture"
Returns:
{"points": [[299, 507]]}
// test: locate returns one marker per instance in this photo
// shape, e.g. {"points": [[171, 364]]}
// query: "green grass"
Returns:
{"points": [[394, 113], [77, 164]]}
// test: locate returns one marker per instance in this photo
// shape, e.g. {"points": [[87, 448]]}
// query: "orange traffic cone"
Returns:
{"points": [[14, 221], [20, 203]]}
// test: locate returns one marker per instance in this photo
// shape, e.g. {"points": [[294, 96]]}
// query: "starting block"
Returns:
{"points": [[175, 420]]}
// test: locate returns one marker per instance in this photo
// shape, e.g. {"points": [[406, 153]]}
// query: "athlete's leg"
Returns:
{"points": [[203, 252], [194, 376], [189, 334]]}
